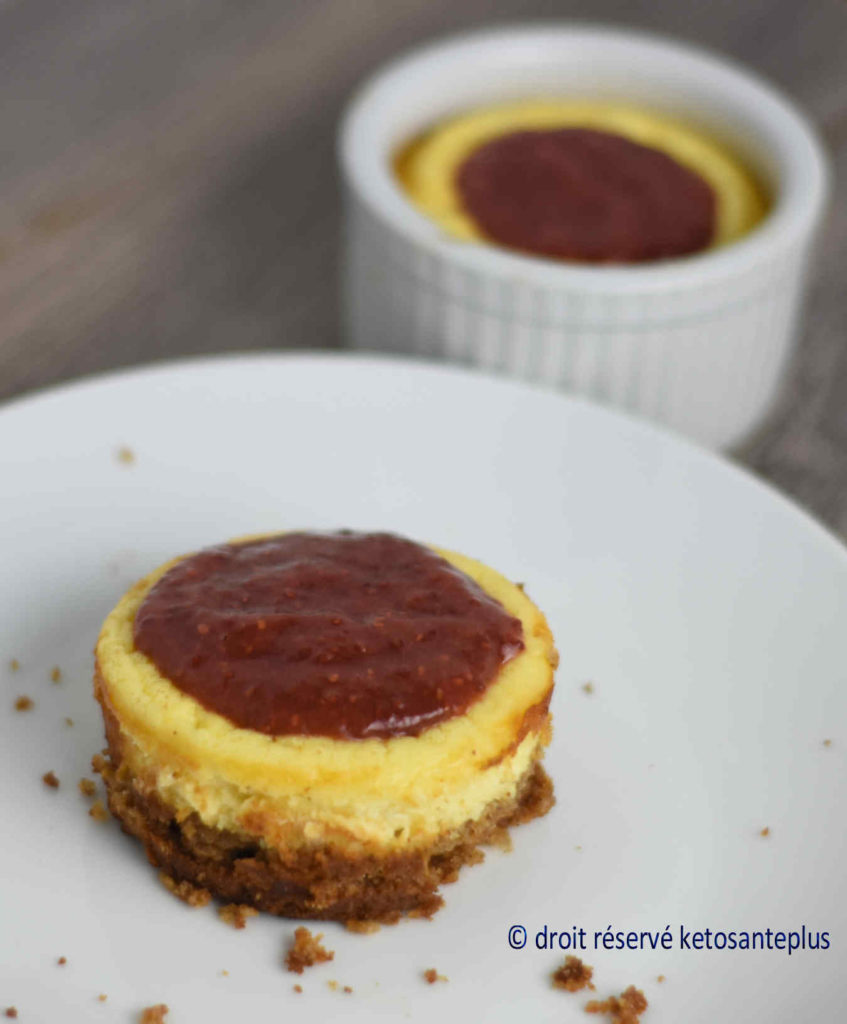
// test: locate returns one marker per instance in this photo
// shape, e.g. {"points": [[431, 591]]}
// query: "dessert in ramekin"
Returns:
{"points": [[324, 725], [700, 343]]}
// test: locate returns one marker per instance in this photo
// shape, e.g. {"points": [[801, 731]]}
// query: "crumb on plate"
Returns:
{"points": [[102, 998], [660, 979], [49, 779], [87, 787], [55, 674], [12, 1012], [588, 688], [14, 666], [154, 1014], [765, 832], [98, 811], [624, 1009], [306, 951], [233, 914], [69, 721], [298, 988], [431, 976], [24, 704], [573, 975], [125, 455], [62, 961]]}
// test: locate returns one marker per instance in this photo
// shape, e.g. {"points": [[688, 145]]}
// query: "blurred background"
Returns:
{"points": [[169, 184]]}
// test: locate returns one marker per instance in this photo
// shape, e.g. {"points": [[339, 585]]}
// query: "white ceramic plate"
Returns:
{"points": [[708, 613]]}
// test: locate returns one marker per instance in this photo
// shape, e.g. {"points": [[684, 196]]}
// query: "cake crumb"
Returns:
{"points": [[431, 976], [193, 895], [765, 832], [573, 975], [298, 989], [660, 979], [24, 704], [154, 1014], [87, 787], [14, 666], [69, 721], [347, 990], [102, 998], [233, 914], [62, 961], [55, 674], [49, 779], [223, 972], [98, 811], [11, 1011], [306, 951], [362, 927], [332, 986], [588, 688], [99, 764], [827, 743], [125, 455], [624, 1009]]}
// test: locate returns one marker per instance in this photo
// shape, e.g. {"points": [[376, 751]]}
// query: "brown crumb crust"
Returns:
{"points": [[306, 951], [362, 927], [317, 883], [87, 787], [11, 1012], [624, 1009], [185, 891], [24, 703], [49, 779], [236, 914], [154, 1014], [573, 975]]}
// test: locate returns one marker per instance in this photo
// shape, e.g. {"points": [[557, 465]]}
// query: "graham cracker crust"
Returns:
{"points": [[317, 883]]}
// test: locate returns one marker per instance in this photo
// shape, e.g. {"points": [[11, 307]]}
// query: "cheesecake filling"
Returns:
{"points": [[343, 635]]}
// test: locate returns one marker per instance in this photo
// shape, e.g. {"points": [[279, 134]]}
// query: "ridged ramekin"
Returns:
{"points": [[700, 344]]}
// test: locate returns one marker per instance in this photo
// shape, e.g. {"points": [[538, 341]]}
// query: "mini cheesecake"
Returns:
{"points": [[324, 725]]}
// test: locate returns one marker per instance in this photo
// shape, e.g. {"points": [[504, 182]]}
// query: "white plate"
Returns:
{"points": [[708, 612]]}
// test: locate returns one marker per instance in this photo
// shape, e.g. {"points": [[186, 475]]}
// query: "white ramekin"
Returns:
{"points": [[699, 343]]}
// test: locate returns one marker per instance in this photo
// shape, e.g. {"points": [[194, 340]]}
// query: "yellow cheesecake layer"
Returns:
{"points": [[362, 795], [427, 167]]}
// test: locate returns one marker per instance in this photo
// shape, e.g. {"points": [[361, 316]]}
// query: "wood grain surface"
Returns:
{"points": [[169, 185]]}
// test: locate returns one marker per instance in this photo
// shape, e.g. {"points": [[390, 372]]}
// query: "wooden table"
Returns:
{"points": [[169, 185]]}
